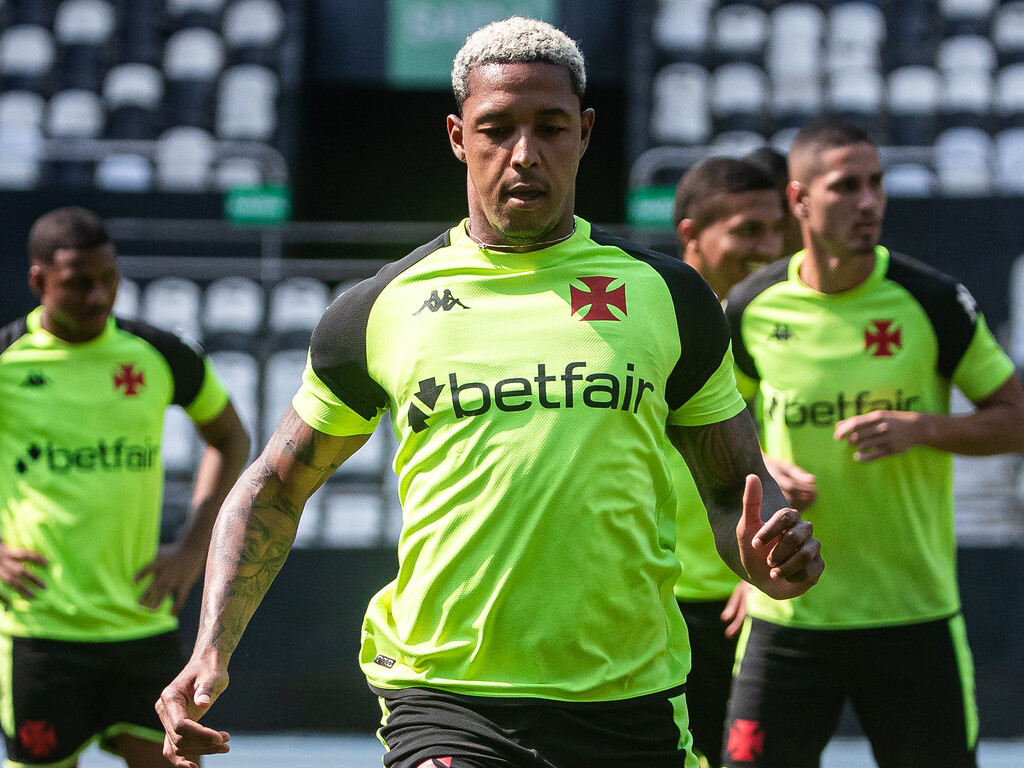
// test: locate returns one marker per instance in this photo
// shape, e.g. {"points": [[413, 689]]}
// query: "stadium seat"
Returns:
{"points": [[282, 376], [126, 304], [295, 307], [914, 98], [796, 99], [681, 112], [910, 180], [22, 108], [253, 31], [179, 444], [740, 32], [859, 23], [237, 173], [966, 16], [682, 28], [795, 42], [173, 303], [84, 30], [736, 143], [1008, 32], [247, 103], [124, 173], [963, 162], [184, 159], [739, 94], [74, 114], [28, 57], [233, 313], [1009, 161], [193, 61], [966, 52], [239, 371], [1009, 95], [21, 164], [351, 519], [967, 97], [133, 95]]}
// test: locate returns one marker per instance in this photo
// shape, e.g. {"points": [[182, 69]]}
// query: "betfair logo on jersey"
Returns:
{"points": [[826, 413], [569, 389], [119, 455]]}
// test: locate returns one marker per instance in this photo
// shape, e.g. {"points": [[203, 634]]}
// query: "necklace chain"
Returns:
{"points": [[518, 248]]}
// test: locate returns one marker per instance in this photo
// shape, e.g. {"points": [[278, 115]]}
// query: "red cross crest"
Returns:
{"points": [[37, 737], [598, 298], [746, 741], [883, 337], [129, 379]]}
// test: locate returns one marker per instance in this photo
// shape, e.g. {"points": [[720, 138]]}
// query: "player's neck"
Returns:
{"points": [[829, 272]]}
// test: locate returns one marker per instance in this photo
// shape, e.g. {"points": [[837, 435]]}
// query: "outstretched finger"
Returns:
{"points": [[753, 495]]}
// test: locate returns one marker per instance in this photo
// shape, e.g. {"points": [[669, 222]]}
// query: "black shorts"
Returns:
{"points": [[424, 728], [710, 678], [66, 694], [911, 687]]}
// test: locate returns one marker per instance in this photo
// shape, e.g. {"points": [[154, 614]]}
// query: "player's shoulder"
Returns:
{"points": [[752, 286], [916, 275], [11, 332]]}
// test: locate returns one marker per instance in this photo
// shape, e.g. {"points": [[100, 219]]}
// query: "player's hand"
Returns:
{"points": [[880, 433], [174, 571], [781, 556], [797, 484], [735, 610], [17, 573], [180, 707]]}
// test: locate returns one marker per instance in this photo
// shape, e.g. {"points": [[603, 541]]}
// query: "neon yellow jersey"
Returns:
{"points": [[529, 394], [81, 478], [896, 342]]}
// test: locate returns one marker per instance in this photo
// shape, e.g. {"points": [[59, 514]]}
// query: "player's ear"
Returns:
{"points": [[586, 126], [796, 194], [455, 137], [686, 230], [35, 279]]}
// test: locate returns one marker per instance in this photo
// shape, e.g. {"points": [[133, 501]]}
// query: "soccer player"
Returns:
{"points": [[773, 162], [88, 619], [534, 368], [728, 218], [854, 350]]}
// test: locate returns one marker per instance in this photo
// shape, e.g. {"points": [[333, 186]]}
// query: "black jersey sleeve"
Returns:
{"points": [[11, 332], [337, 351], [739, 299], [948, 304], [188, 368]]}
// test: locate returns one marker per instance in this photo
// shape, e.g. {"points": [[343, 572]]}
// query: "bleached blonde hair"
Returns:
{"points": [[513, 41]]}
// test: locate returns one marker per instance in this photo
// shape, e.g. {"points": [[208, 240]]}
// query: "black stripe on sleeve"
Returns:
{"points": [[11, 332], [703, 331], [950, 308], [739, 299], [186, 361], [337, 349]]}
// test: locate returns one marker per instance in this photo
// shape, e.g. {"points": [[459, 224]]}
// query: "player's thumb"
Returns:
{"points": [[204, 695], [753, 494]]}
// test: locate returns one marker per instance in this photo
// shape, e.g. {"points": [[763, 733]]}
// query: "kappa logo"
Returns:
{"points": [[443, 303], [599, 298], [882, 338], [746, 741], [782, 332], [37, 737], [128, 379], [35, 380]]}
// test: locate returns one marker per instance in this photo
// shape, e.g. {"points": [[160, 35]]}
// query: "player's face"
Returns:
{"points": [[77, 291], [521, 135], [746, 237], [845, 203]]}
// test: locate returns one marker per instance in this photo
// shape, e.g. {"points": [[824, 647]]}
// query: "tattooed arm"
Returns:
{"points": [[251, 540], [775, 551]]}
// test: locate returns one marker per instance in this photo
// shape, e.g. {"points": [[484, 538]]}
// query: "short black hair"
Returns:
{"points": [[70, 227], [816, 138], [699, 191], [772, 162]]}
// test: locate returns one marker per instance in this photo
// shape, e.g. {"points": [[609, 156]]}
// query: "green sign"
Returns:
{"points": [[651, 207], [271, 204], [425, 35]]}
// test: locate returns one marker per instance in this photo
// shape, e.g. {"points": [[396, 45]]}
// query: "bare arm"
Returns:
{"points": [[177, 567], [775, 550], [996, 426], [251, 539]]}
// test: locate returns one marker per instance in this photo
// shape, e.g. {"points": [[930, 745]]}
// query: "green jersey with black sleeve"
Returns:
{"points": [[897, 342], [529, 394], [81, 477]]}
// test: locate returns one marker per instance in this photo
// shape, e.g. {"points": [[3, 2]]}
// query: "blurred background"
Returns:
{"points": [[254, 157]]}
